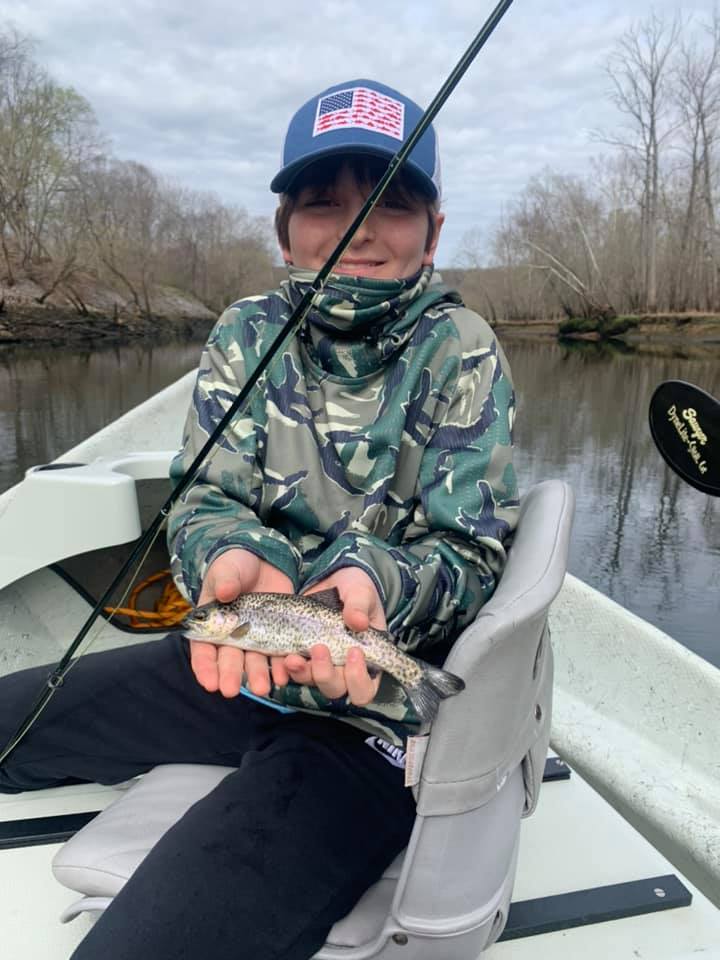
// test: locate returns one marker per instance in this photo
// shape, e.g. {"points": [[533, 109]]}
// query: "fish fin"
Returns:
{"points": [[240, 630], [329, 598], [435, 685], [444, 683], [372, 670], [424, 700]]}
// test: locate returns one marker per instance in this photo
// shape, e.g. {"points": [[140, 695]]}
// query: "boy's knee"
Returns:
{"points": [[6, 786]]}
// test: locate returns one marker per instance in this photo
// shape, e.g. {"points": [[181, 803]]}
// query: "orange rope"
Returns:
{"points": [[168, 611]]}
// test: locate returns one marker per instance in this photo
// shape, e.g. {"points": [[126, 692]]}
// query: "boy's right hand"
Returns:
{"points": [[222, 667]]}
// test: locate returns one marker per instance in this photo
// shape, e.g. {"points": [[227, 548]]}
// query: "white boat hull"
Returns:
{"points": [[635, 713]]}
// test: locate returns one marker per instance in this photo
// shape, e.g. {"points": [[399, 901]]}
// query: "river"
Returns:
{"points": [[642, 536]]}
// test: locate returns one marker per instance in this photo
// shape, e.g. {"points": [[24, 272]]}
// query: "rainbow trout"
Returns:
{"points": [[277, 624]]}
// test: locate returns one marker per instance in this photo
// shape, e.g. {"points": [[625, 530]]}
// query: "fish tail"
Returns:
{"points": [[435, 685]]}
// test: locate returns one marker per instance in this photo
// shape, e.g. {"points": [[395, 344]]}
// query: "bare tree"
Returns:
{"points": [[640, 234], [556, 232], [216, 251], [124, 213], [698, 95], [13, 54], [70, 213], [639, 71], [46, 133], [147, 233]]}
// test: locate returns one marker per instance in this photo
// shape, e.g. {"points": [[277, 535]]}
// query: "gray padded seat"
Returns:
{"points": [[449, 892]]}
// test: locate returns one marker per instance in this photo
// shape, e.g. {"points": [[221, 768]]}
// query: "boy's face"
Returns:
{"points": [[392, 243]]}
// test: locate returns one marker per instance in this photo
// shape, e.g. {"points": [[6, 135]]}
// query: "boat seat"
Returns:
{"points": [[447, 896]]}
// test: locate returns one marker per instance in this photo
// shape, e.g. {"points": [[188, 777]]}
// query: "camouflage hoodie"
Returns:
{"points": [[382, 439]]}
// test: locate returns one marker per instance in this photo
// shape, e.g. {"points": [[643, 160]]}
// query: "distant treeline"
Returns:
{"points": [[640, 233], [71, 214]]}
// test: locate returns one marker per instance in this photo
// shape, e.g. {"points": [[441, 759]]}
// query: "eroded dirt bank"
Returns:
{"points": [[99, 315]]}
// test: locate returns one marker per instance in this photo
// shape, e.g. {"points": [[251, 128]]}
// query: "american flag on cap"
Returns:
{"points": [[360, 107]]}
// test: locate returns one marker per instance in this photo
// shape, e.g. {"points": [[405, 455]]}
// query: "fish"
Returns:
{"points": [[277, 624]]}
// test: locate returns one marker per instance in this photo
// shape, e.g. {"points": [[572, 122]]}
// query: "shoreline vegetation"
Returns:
{"points": [[652, 329], [97, 249], [99, 315], [93, 247]]}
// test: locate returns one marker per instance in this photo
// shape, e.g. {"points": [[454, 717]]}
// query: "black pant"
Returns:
{"points": [[262, 867]]}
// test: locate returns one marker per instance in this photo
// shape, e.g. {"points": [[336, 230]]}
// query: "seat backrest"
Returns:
{"points": [[486, 754], [505, 659]]}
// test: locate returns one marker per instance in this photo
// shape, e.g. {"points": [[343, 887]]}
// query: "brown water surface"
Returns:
{"points": [[641, 535]]}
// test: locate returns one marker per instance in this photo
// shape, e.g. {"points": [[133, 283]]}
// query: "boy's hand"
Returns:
{"points": [[361, 608], [221, 668]]}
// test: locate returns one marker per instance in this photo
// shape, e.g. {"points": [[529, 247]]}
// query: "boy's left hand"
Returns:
{"points": [[362, 607]]}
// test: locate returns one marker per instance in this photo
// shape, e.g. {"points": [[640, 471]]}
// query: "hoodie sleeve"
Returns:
{"points": [[219, 510], [434, 582]]}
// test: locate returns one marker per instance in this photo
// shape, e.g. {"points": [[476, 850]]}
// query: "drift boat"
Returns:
{"points": [[621, 857]]}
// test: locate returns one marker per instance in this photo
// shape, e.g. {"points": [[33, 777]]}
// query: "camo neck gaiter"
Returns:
{"points": [[357, 324]]}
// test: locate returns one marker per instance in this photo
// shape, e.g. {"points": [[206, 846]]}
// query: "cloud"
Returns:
{"points": [[203, 94]]}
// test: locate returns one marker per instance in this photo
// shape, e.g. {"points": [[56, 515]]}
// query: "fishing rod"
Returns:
{"points": [[56, 677]]}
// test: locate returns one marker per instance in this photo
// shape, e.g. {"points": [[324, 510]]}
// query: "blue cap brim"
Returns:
{"points": [[282, 180]]}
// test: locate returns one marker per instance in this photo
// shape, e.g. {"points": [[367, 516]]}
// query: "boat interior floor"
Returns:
{"points": [[575, 841]]}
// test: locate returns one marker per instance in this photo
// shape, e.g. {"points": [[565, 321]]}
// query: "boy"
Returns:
{"points": [[375, 459]]}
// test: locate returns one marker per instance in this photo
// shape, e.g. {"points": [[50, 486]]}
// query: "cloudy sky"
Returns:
{"points": [[203, 92]]}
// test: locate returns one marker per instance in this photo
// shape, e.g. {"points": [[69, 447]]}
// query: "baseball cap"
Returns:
{"points": [[359, 116]]}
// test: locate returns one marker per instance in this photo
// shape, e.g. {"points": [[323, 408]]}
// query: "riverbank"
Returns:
{"points": [[97, 315], [686, 333]]}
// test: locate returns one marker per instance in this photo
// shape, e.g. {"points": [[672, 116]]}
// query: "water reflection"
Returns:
{"points": [[641, 535], [598, 349], [51, 399]]}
